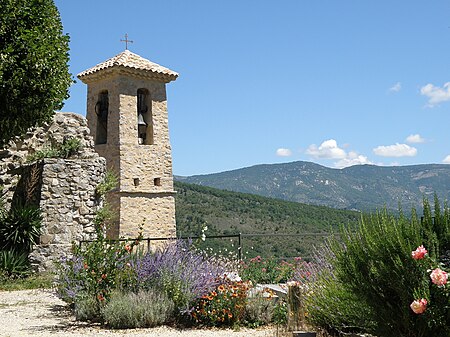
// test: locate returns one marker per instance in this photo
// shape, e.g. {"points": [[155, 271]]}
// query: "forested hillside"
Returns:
{"points": [[359, 187], [226, 212]]}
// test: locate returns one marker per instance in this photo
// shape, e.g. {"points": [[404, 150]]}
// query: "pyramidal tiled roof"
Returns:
{"points": [[128, 62]]}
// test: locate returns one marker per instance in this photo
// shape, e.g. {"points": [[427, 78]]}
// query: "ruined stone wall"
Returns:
{"points": [[66, 192], [68, 205], [14, 157]]}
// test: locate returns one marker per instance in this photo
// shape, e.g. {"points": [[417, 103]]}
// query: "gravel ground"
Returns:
{"points": [[41, 313]]}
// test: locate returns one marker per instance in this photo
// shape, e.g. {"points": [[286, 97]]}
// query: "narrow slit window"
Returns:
{"points": [[157, 181], [101, 110]]}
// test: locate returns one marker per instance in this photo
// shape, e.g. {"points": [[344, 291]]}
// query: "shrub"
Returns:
{"points": [[183, 273], [14, 264], [223, 306], [147, 308], [271, 270], [108, 184], [86, 307], [68, 148], [20, 228], [259, 310], [100, 270], [94, 269], [371, 279], [280, 313]]}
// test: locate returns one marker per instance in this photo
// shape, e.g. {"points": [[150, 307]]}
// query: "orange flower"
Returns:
{"points": [[103, 276], [221, 288], [128, 248], [230, 315], [214, 294], [100, 297], [86, 266]]}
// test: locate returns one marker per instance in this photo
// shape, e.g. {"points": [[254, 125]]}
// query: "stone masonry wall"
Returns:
{"points": [[68, 204], [67, 186], [154, 212], [144, 171], [14, 157]]}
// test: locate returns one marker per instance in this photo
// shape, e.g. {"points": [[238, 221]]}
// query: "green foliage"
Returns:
{"points": [[87, 307], [34, 69], [103, 216], [280, 313], [259, 311], [20, 228], [372, 279], [47, 152], [109, 183], [224, 306], [138, 310], [14, 264], [270, 270], [336, 309], [31, 281], [67, 149], [228, 212], [359, 187], [95, 269]]}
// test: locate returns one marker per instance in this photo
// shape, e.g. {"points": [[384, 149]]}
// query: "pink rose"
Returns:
{"points": [[419, 306], [419, 253], [439, 277]]}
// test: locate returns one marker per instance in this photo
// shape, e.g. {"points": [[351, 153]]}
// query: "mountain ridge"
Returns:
{"points": [[359, 187]]}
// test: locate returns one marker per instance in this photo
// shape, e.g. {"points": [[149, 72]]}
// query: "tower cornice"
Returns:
{"points": [[131, 64]]}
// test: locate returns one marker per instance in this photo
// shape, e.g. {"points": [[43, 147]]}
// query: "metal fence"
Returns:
{"points": [[240, 240]]}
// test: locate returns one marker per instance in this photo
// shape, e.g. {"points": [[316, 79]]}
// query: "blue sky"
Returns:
{"points": [[334, 82]]}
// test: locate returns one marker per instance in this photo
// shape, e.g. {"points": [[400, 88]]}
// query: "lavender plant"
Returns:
{"points": [[183, 273]]}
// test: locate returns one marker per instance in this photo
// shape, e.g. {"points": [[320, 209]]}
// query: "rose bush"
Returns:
{"points": [[439, 277], [435, 306]]}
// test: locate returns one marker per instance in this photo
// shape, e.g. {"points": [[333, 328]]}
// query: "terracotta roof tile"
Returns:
{"points": [[130, 61]]}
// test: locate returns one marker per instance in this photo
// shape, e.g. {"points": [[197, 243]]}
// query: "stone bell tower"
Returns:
{"points": [[127, 116]]}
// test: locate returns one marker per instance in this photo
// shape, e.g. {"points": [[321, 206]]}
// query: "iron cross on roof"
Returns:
{"points": [[126, 41]]}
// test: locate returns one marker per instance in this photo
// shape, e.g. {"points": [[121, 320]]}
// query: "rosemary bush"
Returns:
{"points": [[370, 279]]}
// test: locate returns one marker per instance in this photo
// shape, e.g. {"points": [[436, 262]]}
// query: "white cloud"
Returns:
{"points": [[396, 87], [327, 150], [446, 160], [415, 139], [397, 150], [281, 152], [352, 158], [435, 94]]}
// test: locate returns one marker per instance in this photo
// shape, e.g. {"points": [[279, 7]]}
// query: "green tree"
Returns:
{"points": [[34, 72]]}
